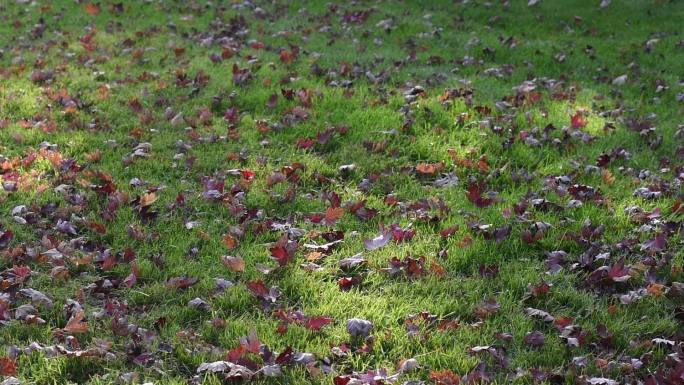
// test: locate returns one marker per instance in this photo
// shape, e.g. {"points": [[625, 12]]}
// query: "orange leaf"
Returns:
{"points": [[429, 168], [437, 270], [314, 256], [94, 156], [76, 324], [466, 241], [607, 176], [482, 164], [287, 56], [8, 367], [601, 362], [230, 241], [97, 227], [678, 207], [92, 9], [445, 377], [136, 132], [103, 92], [203, 235], [233, 263], [333, 215], [613, 309], [656, 289]]}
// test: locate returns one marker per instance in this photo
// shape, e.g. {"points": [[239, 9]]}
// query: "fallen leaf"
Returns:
{"points": [[8, 367], [236, 264], [92, 9], [76, 324]]}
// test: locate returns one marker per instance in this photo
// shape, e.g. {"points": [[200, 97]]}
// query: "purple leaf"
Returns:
{"points": [[359, 327], [379, 241], [534, 339], [656, 244]]}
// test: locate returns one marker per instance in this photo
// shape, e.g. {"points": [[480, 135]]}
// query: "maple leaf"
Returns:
{"points": [[247, 174], [283, 250], [132, 278], [474, 194], [445, 377], [487, 308], [236, 264], [182, 282], [449, 231], [578, 120], [437, 270], [537, 313], [678, 207], [251, 342], [8, 367], [92, 9], [230, 242], [347, 283], [618, 272], [379, 241], [360, 210], [94, 156], [22, 272], [333, 215], [317, 323], [534, 339], [76, 324], [257, 288], [607, 176], [6, 237], [232, 115], [658, 243], [287, 56], [272, 101], [359, 328], [400, 234], [305, 143], [429, 168]]}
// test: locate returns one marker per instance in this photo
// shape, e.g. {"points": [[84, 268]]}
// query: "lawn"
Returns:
{"points": [[368, 192]]}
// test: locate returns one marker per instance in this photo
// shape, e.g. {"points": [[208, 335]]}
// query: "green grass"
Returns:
{"points": [[599, 45]]}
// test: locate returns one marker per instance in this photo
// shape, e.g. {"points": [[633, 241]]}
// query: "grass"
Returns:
{"points": [[133, 59]]}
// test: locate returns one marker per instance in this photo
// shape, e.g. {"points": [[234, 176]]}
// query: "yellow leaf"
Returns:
{"points": [[607, 176]]}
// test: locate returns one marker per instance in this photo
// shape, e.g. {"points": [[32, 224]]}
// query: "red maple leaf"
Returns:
{"points": [[8, 367], [316, 323], [474, 194], [578, 120]]}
